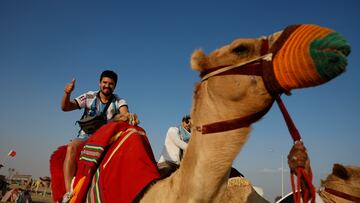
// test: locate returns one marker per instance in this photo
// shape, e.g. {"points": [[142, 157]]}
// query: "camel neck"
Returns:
{"points": [[209, 158]]}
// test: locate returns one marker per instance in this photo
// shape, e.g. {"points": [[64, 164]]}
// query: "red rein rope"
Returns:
{"points": [[300, 171]]}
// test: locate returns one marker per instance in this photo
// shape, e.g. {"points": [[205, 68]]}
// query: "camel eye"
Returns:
{"points": [[241, 49]]}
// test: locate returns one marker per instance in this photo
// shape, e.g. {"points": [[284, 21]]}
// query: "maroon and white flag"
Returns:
{"points": [[12, 153]]}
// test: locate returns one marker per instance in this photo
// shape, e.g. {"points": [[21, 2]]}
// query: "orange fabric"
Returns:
{"points": [[77, 189], [57, 173], [293, 65]]}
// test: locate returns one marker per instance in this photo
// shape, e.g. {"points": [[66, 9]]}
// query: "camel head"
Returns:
{"points": [[301, 56], [256, 69], [342, 185]]}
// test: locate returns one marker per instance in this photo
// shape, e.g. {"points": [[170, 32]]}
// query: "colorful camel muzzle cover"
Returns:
{"points": [[311, 55]]}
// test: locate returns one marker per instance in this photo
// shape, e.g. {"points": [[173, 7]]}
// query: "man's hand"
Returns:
{"points": [[70, 87], [66, 104], [298, 157]]}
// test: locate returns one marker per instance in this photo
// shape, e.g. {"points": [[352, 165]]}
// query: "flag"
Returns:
{"points": [[12, 153]]}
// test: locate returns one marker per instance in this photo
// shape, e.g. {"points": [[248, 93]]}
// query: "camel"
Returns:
{"points": [[342, 185], [44, 182], [237, 88]]}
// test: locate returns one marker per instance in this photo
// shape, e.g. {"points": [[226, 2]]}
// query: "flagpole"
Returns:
{"points": [[3, 159], [6, 158], [282, 176]]}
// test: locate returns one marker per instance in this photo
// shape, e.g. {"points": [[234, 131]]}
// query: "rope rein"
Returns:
{"points": [[300, 171]]}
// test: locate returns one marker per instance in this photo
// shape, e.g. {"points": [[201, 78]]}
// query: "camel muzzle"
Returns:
{"points": [[311, 55]]}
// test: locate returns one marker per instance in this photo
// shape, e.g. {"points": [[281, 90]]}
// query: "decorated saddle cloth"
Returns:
{"points": [[115, 165]]}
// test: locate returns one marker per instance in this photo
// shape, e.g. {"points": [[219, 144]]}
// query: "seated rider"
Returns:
{"points": [[94, 103], [175, 145]]}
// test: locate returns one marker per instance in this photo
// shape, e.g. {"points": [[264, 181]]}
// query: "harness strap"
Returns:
{"points": [[232, 124], [282, 38], [107, 105], [271, 83], [289, 122], [342, 195], [250, 67], [94, 105]]}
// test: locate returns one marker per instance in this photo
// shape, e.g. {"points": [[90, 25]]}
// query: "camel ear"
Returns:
{"points": [[272, 38], [199, 61], [340, 171]]}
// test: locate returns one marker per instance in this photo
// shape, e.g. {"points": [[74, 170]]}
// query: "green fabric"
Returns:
{"points": [[329, 55]]}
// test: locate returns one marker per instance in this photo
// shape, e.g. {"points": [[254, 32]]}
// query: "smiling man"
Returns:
{"points": [[101, 104]]}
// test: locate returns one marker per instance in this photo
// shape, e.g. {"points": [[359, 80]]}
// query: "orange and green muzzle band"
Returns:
{"points": [[310, 56]]}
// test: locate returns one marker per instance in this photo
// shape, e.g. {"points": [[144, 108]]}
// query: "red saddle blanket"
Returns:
{"points": [[114, 165]]}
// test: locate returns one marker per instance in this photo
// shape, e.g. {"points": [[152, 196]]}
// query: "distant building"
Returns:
{"points": [[20, 179]]}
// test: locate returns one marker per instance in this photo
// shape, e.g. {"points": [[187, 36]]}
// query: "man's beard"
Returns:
{"points": [[106, 94]]}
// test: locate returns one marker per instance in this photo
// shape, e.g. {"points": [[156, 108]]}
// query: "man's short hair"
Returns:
{"points": [[109, 74], [186, 119]]}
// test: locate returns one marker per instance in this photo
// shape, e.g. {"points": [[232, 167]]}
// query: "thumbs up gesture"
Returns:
{"points": [[70, 87]]}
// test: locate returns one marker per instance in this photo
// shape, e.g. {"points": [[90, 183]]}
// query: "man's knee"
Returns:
{"points": [[72, 147], [167, 168]]}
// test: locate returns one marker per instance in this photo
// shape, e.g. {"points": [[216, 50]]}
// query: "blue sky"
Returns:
{"points": [[44, 44]]}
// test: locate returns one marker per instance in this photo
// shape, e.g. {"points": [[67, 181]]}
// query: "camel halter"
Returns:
{"points": [[262, 66], [251, 67], [339, 194]]}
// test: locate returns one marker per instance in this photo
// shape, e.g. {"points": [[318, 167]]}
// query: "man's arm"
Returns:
{"points": [[66, 103], [173, 133]]}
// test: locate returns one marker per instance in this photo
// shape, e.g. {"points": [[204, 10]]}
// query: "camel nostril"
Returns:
{"points": [[346, 51]]}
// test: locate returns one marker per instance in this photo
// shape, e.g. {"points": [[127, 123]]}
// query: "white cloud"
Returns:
{"points": [[278, 170]]}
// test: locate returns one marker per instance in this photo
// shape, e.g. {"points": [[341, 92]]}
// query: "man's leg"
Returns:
{"points": [[166, 168], [70, 163]]}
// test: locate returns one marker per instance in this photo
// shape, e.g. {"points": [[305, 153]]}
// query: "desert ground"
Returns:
{"points": [[42, 196]]}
